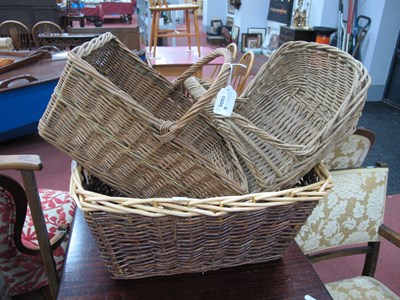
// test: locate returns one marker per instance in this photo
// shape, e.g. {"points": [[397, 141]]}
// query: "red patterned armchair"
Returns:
{"points": [[34, 237]]}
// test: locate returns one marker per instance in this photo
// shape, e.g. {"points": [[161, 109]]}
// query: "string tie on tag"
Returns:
{"points": [[231, 67]]}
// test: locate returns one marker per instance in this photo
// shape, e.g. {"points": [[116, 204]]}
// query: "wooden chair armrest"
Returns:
{"points": [[366, 133], [21, 162], [389, 234], [381, 164]]}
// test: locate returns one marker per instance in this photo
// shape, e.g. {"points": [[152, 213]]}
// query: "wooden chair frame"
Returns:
{"points": [[370, 249], [366, 133], [45, 27], [18, 32], [27, 165], [232, 47], [241, 74], [159, 6]]}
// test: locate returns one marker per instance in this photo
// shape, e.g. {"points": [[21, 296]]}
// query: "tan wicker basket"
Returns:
{"points": [[135, 130], [164, 236], [303, 102]]}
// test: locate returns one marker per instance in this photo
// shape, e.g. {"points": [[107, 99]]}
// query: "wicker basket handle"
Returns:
{"points": [[96, 43], [234, 127], [169, 130]]}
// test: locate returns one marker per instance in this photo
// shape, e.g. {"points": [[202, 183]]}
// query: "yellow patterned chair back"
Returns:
{"points": [[351, 214], [352, 152]]}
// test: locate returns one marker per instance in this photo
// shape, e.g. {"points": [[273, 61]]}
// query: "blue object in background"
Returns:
{"points": [[23, 107], [76, 4]]}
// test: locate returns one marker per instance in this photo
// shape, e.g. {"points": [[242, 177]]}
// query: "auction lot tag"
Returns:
{"points": [[225, 101]]}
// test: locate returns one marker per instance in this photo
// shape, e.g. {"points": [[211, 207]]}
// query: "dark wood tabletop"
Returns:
{"points": [[66, 39], [86, 277], [43, 70]]}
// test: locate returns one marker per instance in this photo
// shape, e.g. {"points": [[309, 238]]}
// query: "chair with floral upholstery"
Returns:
{"points": [[4, 295], [352, 152], [350, 221], [34, 237]]}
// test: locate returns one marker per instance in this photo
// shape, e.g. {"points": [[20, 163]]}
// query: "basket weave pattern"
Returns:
{"points": [[304, 101], [135, 130], [164, 236]]}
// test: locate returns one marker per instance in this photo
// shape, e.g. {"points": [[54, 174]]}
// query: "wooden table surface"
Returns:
{"points": [[86, 277], [46, 69], [173, 61], [66, 39]]}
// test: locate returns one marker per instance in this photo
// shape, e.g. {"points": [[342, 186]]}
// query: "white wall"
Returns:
{"points": [[324, 13], [378, 46], [214, 9], [252, 13], [376, 51]]}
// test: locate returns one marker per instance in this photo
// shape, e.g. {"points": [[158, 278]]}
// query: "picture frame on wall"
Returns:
{"points": [[280, 11], [271, 41], [235, 34], [216, 26], [251, 42], [231, 7], [229, 22], [263, 32]]}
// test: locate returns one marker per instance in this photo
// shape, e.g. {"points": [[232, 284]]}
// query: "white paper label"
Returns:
{"points": [[225, 101]]}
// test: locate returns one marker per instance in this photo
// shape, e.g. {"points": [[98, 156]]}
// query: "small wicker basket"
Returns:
{"points": [[137, 131], [164, 236]]}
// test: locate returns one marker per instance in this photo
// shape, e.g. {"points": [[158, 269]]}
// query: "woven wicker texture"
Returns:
{"points": [[135, 130], [304, 101], [164, 236]]}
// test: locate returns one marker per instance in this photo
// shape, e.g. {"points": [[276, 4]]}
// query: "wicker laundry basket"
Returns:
{"points": [[303, 102], [135, 130], [164, 236]]}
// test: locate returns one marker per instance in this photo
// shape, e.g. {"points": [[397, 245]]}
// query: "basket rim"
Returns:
{"points": [[89, 201]]}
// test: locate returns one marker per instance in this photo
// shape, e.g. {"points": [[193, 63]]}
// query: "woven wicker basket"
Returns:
{"points": [[303, 102], [135, 130], [165, 236]]}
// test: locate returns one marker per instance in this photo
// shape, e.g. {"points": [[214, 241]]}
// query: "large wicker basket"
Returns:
{"points": [[164, 236], [303, 102], [135, 130]]}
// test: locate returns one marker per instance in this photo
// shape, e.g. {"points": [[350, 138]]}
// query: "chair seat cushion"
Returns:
{"points": [[361, 287], [58, 208]]}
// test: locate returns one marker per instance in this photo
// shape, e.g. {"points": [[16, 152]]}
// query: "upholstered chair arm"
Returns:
{"points": [[389, 234]]}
